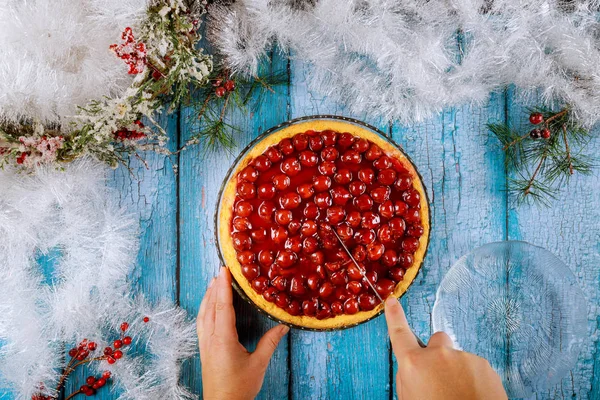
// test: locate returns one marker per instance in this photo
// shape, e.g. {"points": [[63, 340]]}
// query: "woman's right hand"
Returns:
{"points": [[437, 372]]}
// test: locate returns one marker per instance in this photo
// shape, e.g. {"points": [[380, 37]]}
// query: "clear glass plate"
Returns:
{"points": [[518, 306]]}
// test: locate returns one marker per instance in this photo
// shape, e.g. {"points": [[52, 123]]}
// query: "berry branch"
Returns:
{"points": [[80, 355], [554, 144]]}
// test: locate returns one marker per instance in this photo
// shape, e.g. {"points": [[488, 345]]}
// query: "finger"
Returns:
{"points": [[225, 314], [402, 338], [202, 310], [208, 322], [268, 343], [440, 339]]}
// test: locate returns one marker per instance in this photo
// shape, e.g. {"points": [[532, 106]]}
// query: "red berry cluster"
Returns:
{"points": [[93, 384], [113, 354], [537, 118], [130, 134], [82, 351], [223, 87], [132, 52]]}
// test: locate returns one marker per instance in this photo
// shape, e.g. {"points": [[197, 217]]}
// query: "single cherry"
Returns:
{"points": [[335, 214], [359, 253], [313, 281], [386, 209], [279, 234], [250, 271], [364, 236], [370, 220], [300, 142], [241, 241], [259, 235], [294, 308], [415, 231], [286, 146], [389, 258], [246, 190], [329, 137], [373, 153], [273, 154], [354, 287], [321, 183], [327, 168], [279, 283], [311, 210], [323, 311], [384, 234], [353, 219], [382, 162], [329, 153], [411, 197], [351, 306], [297, 287], [340, 195], [326, 290], [308, 158], [290, 201], [400, 208], [262, 163], [281, 181], [366, 175], [265, 257], [405, 260], [337, 308], [386, 177], [241, 224], [266, 191], [361, 145], [245, 257], [317, 258], [375, 250], [351, 157], [310, 245], [315, 143], [249, 174], [309, 307], [283, 217], [403, 182], [397, 274], [385, 287], [410, 245], [270, 293], [367, 301], [381, 194], [305, 190], [397, 227], [290, 166], [343, 176], [357, 188], [339, 277], [265, 210], [243, 208], [354, 273], [363, 202], [412, 216], [323, 200], [286, 258], [345, 232]]}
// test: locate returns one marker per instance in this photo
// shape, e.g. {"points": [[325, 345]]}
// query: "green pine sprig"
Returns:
{"points": [[543, 166]]}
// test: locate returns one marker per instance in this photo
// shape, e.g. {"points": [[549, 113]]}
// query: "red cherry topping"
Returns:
{"points": [[289, 199]]}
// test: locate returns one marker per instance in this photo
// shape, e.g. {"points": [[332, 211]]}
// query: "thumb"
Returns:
{"points": [[401, 336], [268, 343]]}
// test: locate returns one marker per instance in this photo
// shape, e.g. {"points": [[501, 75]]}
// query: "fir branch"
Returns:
{"points": [[553, 148]]}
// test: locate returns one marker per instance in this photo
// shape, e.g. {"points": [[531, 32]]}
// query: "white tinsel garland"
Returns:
{"points": [[55, 54], [71, 214], [409, 59]]}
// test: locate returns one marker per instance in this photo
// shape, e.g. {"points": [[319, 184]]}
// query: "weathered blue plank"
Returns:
{"points": [[200, 179], [349, 364], [464, 175], [569, 228]]}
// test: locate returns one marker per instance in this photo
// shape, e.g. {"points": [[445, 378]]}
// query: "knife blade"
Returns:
{"points": [[361, 269], [364, 274]]}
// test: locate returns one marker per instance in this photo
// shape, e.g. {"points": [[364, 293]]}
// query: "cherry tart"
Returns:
{"points": [[287, 194]]}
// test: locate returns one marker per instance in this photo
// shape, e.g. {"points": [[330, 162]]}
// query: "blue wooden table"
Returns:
{"points": [[463, 169]]}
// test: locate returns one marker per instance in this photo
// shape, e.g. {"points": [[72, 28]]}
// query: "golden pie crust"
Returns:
{"points": [[226, 215]]}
